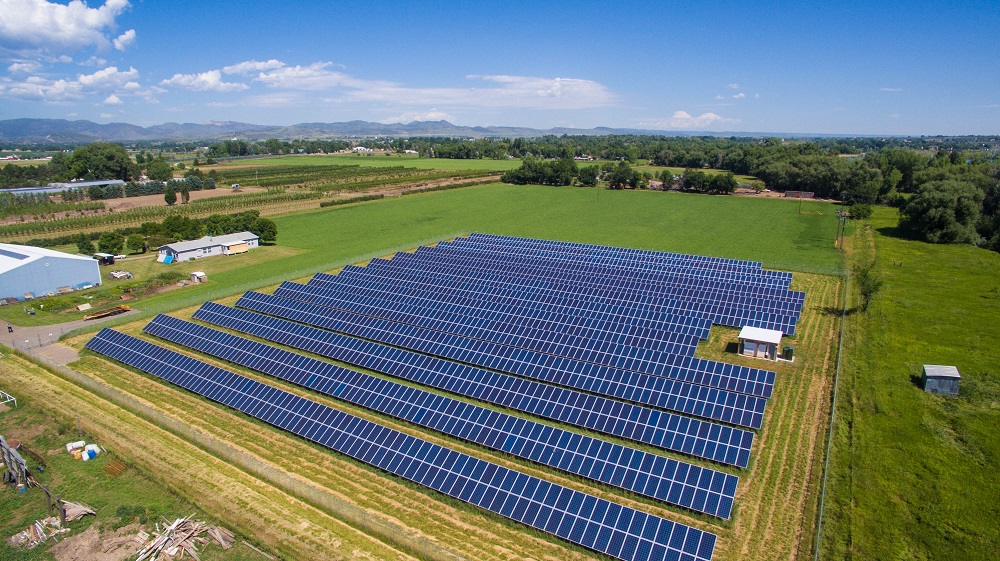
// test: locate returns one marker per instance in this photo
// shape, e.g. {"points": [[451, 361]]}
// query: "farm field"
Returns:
{"points": [[913, 475], [777, 493], [686, 223]]}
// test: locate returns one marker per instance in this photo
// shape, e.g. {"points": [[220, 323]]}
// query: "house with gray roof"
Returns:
{"points": [[229, 244]]}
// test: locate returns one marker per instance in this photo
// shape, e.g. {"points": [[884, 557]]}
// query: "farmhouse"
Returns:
{"points": [[229, 244], [28, 272]]}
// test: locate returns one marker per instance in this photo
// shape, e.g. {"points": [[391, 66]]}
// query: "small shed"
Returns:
{"points": [[941, 379], [760, 343], [199, 276]]}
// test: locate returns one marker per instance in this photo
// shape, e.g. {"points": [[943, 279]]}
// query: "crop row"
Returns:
{"points": [[227, 204]]}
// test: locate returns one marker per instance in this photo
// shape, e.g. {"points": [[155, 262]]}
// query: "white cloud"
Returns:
{"points": [[109, 79], [314, 77], [756, 96], [524, 92], [432, 115], [684, 120], [890, 89], [24, 67], [113, 100], [124, 40], [720, 96], [740, 95], [105, 115], [894, 115], [48, 25], [94, 61], [210, 81], [251, 66], [733, 86]]}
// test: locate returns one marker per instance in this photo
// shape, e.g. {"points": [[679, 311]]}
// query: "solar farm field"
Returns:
{"points": [[776, 467]]}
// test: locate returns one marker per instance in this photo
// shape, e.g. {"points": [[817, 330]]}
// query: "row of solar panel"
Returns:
{"points": [[611, 252], [577, 329], [518, 265], [645, 324], [577, 517], [699, 489], [575, 319], [624, 359], [619, 257], [537, 277], [518, 361], [660, 308], [647, 258], [640, 424], [755, 277]]}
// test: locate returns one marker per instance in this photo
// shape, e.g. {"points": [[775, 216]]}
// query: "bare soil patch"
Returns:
{"points": [[157, 200], [94, 545]]}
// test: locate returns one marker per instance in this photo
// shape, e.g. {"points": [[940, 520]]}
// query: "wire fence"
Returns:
{"points": [[350, 514], [833, 415]]}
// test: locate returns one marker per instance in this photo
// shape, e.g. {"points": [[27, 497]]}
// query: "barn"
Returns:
{"points": [[28, 272], [229, 244]]}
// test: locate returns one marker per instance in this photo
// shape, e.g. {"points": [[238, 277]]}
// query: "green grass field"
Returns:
{"points": [[913, 474], [737, 227], [84, 482]]}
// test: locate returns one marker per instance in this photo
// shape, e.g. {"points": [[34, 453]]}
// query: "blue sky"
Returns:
{"points": [[841, 68]]}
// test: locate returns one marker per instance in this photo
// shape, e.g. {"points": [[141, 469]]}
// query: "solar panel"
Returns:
{"points": [[594, 523], [13, 254], [550, 365], [699, 291], [643, 361], [671, 432], [679, 483]]}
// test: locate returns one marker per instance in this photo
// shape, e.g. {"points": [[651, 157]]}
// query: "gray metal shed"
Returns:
{"points": [[941, 379]]}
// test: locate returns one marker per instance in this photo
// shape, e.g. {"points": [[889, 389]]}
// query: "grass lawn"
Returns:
{"points": [[83, 482], [771, 231], [913, 475]]}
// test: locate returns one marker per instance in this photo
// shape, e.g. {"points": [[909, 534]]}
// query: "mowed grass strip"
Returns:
{"points": [[283, 523], [913, 475], [777, 499]]}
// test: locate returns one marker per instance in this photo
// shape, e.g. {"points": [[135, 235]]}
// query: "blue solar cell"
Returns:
{"points": [[554, 403], [173, 366]]}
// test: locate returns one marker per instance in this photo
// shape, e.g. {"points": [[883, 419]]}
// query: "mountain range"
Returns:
{"points": [[65, 131]]}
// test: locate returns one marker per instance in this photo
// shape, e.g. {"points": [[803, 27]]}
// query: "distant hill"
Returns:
{"points": [[64, 131]]}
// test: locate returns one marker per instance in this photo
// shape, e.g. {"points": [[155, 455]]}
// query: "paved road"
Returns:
{"points": [[43, 340]]}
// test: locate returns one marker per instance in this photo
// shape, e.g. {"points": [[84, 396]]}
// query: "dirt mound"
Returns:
{"points": [[94, 545]]}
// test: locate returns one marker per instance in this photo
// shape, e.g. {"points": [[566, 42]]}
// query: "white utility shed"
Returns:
{"points": [[759, 342]]}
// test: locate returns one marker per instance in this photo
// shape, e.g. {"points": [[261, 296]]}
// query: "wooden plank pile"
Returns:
{"points": [[75, 511], [39, 532], [182, 536], [115, 468]]}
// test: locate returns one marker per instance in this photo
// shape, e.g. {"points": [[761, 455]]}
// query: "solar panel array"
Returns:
{"points": [[699, 489], [595, 523], [591, 337], [697, 438]]}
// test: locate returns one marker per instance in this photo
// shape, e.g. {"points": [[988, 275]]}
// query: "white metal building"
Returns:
{"points": [[229, 244], [760, 343], [30, 272]]}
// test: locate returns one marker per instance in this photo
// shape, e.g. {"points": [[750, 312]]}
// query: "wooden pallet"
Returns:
{"points": [[115, 468]]}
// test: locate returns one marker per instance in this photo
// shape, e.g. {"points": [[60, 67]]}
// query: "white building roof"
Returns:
{"points": [[939, 371], [209, 241], [760, 334], [13, 256]]}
